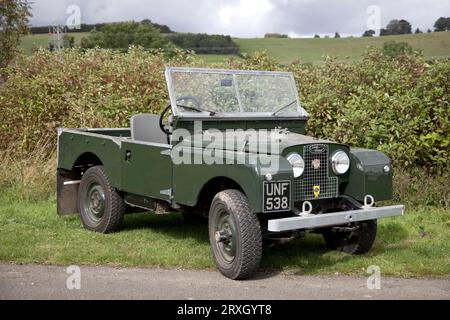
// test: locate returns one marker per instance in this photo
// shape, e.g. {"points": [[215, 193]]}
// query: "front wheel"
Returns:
{"points": [[357, 241], [101, 207], [234, 235]]}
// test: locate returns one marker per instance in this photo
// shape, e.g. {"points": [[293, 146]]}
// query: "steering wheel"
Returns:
{"points": [[162, 126], [165, 128]]}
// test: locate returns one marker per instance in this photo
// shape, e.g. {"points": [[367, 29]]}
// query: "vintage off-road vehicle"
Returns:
{"points": [[233, 152]]}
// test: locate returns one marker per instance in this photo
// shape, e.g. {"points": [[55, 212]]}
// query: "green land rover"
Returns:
{"points": [[230, 149]]}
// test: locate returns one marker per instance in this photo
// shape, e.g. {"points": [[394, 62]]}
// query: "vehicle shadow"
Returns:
{"points": [[305, 255]]}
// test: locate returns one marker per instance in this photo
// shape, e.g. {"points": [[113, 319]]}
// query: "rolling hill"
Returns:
{"points": [[433, 45]]}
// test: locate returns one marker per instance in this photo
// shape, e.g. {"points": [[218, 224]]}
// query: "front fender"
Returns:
{"points": [[367, 175], [189, 179]]}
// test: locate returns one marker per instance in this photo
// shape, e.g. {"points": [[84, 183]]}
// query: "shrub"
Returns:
{"points": [[398, 105], [393, 49], [275, 35], [205, 43]]}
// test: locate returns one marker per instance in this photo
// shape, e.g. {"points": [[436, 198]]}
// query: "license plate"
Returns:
{"points": [[277, 196]]}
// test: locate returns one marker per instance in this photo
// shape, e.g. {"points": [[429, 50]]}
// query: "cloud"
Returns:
{"points": [[247, 18]]}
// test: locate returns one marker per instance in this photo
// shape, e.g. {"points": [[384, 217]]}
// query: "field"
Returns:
{"points": [[411, 246], [41, 40], [434, 45]]}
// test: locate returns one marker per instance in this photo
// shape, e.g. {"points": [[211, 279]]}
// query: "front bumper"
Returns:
{"points": [[311, 221]]}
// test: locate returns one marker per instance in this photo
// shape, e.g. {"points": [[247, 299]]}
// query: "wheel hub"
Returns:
{"points": [[95, 202], [225, 236]]}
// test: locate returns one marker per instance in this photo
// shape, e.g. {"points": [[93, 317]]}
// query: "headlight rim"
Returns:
{"points": [[333, 162], [299, 172]]}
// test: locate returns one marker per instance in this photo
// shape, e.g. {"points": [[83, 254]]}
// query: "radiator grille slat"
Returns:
{"points": [[303, 186]]}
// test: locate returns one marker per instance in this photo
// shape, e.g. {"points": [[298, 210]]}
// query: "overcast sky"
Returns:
{"points": [[249, 18]]}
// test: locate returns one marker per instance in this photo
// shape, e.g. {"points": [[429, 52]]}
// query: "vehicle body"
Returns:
{"points": [[234, 150]]}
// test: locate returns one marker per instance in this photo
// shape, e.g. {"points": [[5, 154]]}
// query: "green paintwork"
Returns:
{"points": [[73, 144], [367, 176], [150, 172], [147, 171]]}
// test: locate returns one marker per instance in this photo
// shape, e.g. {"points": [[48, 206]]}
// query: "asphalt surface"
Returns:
{"points": [[50, 282]]}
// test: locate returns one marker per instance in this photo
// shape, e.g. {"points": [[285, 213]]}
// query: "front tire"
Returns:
{"points": [[234, 235], [355, 242], [101, 207]]}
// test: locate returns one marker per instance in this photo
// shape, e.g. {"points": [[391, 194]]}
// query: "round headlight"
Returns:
{"points": [[340, 162], [297, 163]]}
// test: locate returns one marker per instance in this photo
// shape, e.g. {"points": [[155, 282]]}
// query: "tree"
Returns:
{"points": [[429, 31], [161, 27], [14, 18], [368, 33], [442, 24], [396, 27], [123, 34], [337, 35], [316, 36], [418, 31]]}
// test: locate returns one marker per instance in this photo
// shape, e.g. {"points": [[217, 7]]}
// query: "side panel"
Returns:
{"points": [[72, 144], [367, 176], [147, 169]]}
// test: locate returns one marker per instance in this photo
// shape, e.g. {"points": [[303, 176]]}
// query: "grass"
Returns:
{"points": [[415, 245], [434, 45]]}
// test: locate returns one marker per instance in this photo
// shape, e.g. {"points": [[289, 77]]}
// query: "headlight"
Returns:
{"points": [[297, 163], [340, 162]]}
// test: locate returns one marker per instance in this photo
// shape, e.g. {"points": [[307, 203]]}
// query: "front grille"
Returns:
{"points": [[311, 177]]}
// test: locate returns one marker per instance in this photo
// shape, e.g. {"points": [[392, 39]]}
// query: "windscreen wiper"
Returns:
{"points": [[211, 113], [284, 107]]}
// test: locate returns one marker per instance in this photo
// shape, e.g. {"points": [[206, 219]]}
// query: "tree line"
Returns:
{"points": [[97, 26], [121, 35], [402, 26]]}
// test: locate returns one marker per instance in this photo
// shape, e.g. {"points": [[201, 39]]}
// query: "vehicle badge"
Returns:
{"points": [[316, 164], [316, 191]]}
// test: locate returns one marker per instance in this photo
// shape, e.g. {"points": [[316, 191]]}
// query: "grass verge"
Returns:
{"points": [[415, 245]]}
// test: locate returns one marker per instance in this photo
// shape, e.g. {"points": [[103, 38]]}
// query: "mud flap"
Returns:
{"points": [[66, 192]]}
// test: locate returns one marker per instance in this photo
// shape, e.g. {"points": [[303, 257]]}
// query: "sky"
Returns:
{"points": [[248, 18]]}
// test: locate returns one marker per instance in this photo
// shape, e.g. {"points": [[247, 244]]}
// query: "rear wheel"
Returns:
{"points": [[101, 207], [234, 235], [357, 241]]}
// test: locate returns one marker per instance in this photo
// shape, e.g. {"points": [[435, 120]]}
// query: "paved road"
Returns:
{"points": [[50, 282]]}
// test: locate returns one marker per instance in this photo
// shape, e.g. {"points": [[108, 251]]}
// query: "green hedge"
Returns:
{"points": [[399, 106]]}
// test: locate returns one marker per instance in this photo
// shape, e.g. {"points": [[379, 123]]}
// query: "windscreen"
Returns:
{"points": [[195, 90]]}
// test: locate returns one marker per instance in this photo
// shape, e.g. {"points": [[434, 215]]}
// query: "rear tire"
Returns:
{"points": [[356, 242], [234, 235], [101, 207]]}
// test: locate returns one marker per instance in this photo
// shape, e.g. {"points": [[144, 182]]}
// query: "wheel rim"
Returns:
{"points": [[225, 236], [351, 238], [94, 205]]}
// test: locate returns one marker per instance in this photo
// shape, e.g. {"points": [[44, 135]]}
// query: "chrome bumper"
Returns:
{"points": [[310, 221]]}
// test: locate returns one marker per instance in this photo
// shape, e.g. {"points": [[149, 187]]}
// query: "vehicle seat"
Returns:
{"points": [[145, 127]]}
